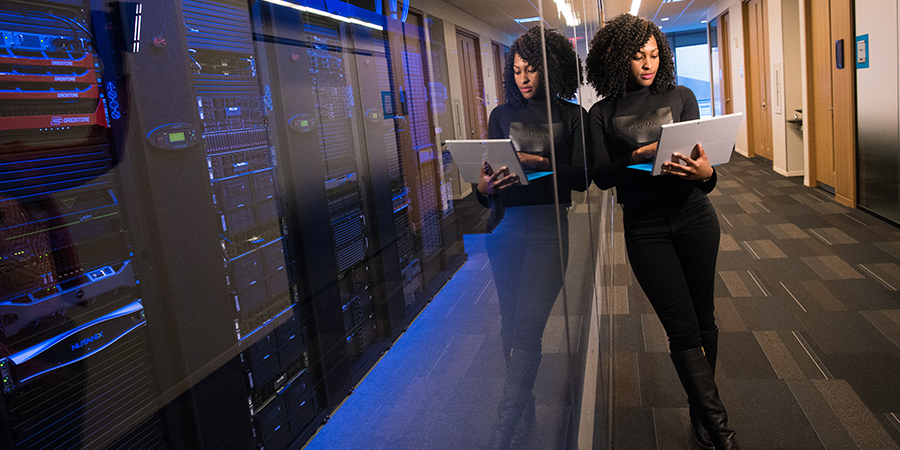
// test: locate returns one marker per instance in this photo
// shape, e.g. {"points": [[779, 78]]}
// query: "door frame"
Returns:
{"points": [[470, 101]]}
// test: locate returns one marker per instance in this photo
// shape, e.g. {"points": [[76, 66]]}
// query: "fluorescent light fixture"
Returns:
{"points": [[702, 21], [528, 19], [326, 14], [665, 19], [635, 6], [138, 11], [566, 11]]}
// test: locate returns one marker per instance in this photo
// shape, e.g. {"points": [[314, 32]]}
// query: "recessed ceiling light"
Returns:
{"points": [[528, 19], [665, 19], [635, 7], [702, 21]]}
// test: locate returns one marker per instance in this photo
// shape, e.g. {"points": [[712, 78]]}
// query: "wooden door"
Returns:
{"points": [[499, 63], [725, 61], [821, 105], [757, 64], [474, 110], [843, 94], [832, 104]]}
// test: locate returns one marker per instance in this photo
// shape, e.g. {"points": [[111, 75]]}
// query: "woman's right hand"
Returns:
{"points": [[492, 182], [644, 154]]}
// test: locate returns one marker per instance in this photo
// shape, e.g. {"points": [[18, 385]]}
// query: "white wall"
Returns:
{"points": [[785, 85], [776, 87], [736, 47], [792, 29], [804, 91]]}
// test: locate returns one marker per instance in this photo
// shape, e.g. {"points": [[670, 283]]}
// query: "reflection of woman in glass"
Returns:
{"points": [[671, 228], [524, 249]]}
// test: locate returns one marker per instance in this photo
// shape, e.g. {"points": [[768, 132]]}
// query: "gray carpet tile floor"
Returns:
{"points": [[809, 315]]}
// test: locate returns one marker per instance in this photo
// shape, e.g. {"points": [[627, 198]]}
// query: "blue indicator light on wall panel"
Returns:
{"points": [[862, 52]]}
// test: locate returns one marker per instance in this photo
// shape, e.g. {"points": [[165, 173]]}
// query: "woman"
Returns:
{"points": [[524, 249], [671, 228]]}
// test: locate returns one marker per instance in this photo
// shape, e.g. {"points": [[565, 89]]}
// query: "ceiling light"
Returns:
{"points": [[317, 12], [702, 21], [566, 11], [665, 19], [635, 6], [528, 19]]}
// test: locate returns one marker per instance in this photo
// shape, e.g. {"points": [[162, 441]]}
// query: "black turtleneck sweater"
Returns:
{"points": [[529, 129], [619, 127]]}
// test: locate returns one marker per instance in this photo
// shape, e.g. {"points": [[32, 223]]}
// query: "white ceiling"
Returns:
{"points": [[681, 14]]}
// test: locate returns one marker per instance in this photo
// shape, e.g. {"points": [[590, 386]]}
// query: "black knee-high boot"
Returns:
{"points": [[527, 422], [710, 342], [703, 395], [517, 393], [529, 414]]}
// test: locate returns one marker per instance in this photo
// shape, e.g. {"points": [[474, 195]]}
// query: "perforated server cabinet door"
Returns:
{"points": [[295, 123], [74, 359]]}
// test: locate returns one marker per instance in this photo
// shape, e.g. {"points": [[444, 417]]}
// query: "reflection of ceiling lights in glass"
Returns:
{"points": [[528, 19], [317, 12], [635, 6], [665, 19], [566, 11]]}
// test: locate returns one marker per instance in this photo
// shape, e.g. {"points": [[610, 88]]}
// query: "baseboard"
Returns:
{"points": [[786, 173]]}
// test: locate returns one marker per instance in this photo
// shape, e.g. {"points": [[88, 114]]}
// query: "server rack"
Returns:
{"points": [[256, 247], [74, 356], [439, 237], [207, 180], [315, 99]]}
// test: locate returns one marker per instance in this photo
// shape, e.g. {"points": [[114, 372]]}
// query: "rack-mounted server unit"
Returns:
{"points": [[74, 355]]}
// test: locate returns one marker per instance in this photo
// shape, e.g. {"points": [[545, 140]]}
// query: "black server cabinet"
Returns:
{"points": [[440, 250], [206, 180], [336, 208], [74, 353]]}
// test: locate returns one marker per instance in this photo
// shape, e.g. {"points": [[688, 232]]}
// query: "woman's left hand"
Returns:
{"points": [[695, 168]]}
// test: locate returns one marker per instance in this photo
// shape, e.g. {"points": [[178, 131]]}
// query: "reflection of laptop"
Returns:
{"points": [[716, 134], [469, 155]]}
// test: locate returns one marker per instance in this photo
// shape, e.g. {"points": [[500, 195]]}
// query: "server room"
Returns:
{"points": [[268, 225], [223, 220]]}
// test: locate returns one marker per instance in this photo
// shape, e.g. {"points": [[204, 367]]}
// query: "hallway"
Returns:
{"points": [[809, 316], [808, 309]]}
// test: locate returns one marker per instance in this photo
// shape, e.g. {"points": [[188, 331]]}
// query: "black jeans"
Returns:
{"points": [[672, 246], [528, 272]]}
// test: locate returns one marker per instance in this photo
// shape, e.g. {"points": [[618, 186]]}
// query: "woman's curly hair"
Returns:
{"points": [[612, 48], [563, 65]]}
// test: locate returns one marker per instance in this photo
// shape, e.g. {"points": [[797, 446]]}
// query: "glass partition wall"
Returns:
{"points": [[239, 224]]}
